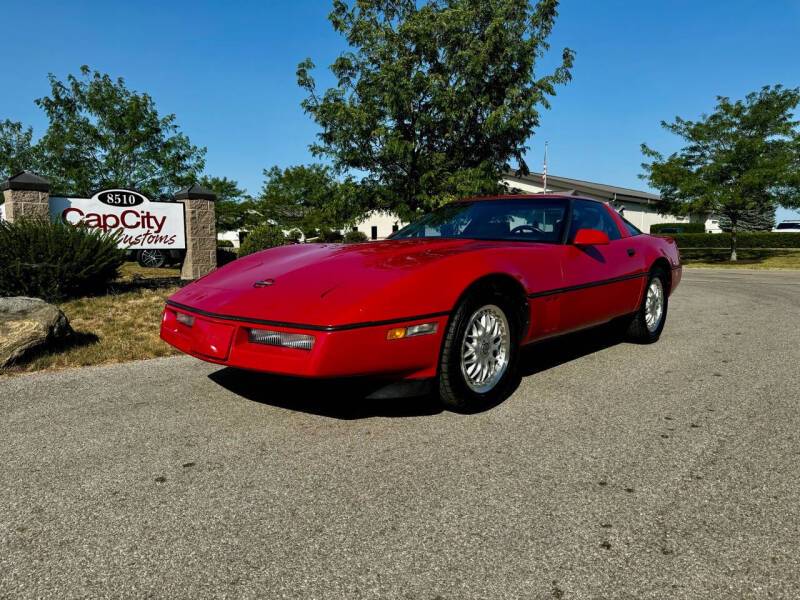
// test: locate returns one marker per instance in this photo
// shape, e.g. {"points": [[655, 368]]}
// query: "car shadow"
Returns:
{"points": [[547, 354], [361, 398], [344, 398]]}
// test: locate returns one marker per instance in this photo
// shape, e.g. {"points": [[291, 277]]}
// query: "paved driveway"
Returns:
{"points": [[614, 471]]}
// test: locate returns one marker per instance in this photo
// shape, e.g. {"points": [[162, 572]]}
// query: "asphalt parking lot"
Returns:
{"points": [[614, 471]]}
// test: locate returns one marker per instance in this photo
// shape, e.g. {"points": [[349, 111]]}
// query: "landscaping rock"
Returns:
{"points": [[29, 323]]}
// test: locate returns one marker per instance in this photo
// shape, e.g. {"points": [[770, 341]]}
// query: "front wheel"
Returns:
{"points": [[151, 258], [647, 324], [479, 353]]}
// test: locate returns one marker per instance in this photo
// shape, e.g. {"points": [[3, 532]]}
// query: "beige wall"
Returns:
{"points": [[527, 187], [382, 220], [231, 236], [643, 216]]}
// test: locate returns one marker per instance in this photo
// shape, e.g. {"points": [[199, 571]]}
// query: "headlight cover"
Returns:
{"points": [[268, 337], [185, 319]]}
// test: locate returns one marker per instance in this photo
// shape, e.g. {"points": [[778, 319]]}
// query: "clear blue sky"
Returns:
{"points": [[227, 70]]}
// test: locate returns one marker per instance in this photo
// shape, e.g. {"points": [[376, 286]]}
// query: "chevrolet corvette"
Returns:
{"points": [[451, 297]]}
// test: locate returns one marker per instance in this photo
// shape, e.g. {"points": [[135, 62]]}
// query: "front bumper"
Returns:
{"points": [[344, 352]]}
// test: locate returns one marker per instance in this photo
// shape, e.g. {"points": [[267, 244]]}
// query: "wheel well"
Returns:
{"points": [[663, 263], [508, 287]]}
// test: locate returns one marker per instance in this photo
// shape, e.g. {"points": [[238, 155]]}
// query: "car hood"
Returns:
{"points": [[327, 284]]}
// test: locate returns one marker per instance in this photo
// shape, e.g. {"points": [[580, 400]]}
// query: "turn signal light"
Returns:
{"points": [[398, 333]]}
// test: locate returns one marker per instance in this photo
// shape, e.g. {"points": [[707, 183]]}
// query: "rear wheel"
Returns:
{"points": [[151, 258], [479, 354], [648, 322]]}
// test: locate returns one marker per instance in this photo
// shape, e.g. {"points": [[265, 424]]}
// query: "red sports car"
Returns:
{"points": [[452, 296]]}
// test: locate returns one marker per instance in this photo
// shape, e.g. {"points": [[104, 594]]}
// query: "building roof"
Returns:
{"points": [[588, 188]]}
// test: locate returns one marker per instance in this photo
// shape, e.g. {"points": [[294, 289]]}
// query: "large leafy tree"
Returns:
{"points": [[234, 207], [433, 98], [17, 153], [103, 135], [309, 197], [742, 159], [757, 219]]}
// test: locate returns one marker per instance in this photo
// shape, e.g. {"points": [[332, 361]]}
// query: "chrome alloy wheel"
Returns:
{"points": [[654, 304], [152, 258], [486, 348]]}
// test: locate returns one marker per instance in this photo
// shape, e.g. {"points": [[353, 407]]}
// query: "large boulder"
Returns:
{"points": [[27, 324]]}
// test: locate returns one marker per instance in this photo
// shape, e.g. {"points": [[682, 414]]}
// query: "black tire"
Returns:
{"points": [[151, 258], [638, 329], [455, 392]]}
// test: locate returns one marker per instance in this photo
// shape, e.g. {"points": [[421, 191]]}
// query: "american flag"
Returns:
{"points": [[544, 169]]}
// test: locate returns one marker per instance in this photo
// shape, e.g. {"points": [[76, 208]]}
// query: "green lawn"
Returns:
{"points": [[130, 270], [114, 328], [749, 258]]}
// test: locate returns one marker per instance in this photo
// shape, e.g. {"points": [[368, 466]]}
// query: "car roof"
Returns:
{"points": [[529, 197]]}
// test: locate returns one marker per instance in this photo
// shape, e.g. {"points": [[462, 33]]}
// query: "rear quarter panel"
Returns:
{"points": [[664, 247], [651, 248]]}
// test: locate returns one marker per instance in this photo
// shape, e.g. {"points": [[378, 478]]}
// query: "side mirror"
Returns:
{"points": [[591, 237]]}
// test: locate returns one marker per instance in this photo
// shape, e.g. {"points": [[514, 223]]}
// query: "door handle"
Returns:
{"points": [[631, 251]]}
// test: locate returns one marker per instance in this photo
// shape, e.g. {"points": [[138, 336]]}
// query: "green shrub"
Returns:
{"points": [[354, 237], [224, 244], [261, 238], [326, 235], [54, 261], [752, 239], [682, 227]]}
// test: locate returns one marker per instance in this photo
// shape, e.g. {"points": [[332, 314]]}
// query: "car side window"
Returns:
{"points": [[592, 215], [632, 229]]}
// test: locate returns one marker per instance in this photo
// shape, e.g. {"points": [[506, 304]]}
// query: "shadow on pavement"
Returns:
{"points": [[547, 354], [351, 398], [360, 398]]}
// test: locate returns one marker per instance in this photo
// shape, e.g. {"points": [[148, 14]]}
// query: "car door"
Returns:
{"points": [[540, 225], [600, 281]]}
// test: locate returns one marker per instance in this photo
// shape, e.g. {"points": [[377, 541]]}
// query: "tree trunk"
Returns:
{"points": [[733, 241]]}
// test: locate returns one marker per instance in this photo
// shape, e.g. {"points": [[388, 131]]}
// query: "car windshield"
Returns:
{"points": [[789, 225], [517, 220]]}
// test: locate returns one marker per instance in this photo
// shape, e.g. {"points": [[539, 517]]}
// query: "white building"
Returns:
{"points": [[232, 236], [378, 225], [636, 206]]}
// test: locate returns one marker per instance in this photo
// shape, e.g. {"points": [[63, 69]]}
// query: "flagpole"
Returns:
{"points": [[544, 171]]}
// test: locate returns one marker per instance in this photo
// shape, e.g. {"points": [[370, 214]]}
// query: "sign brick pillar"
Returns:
{"points": [[201, 232], [26, 195]]}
